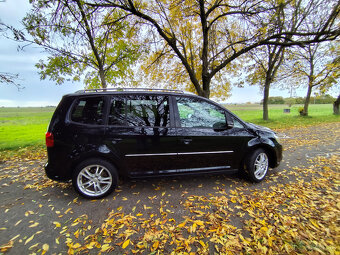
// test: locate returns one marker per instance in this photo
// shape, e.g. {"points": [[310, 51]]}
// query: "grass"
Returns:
{"points": [[319, 113], [21, 128]]}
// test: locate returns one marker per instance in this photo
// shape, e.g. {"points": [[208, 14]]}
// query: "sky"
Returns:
{"points": [[38, 92]]}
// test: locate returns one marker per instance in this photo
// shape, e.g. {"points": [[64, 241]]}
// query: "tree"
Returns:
{"points": [[267, 60], [6, 77], [318, 66], [336, 106], [205, 37], [81, 41]]}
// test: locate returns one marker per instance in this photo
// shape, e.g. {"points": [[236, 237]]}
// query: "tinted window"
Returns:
{"points": [[197, 113], [117, 112], [88, 111], [147, 111]]}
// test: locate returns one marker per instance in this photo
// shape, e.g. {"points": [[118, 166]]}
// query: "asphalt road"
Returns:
{"points": [[37, 214]]}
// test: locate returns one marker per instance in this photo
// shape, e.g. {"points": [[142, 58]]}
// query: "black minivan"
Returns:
{"points": [[95, 136]]}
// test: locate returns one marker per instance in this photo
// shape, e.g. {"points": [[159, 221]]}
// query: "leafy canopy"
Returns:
{"points": [[83, 42]]}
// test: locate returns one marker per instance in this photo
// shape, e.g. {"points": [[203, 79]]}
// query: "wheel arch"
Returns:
{"points": [[109, 157], [270, 151]]}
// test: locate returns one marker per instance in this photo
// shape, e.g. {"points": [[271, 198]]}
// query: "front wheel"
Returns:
{"points": [[95, 178], [257, 165]]}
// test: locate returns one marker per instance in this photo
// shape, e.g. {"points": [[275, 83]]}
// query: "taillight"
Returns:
{"points": [[49, 139]]}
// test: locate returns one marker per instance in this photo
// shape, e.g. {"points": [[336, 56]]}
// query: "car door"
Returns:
{"points": [[85, 125], [140, 132], [204, 141]]}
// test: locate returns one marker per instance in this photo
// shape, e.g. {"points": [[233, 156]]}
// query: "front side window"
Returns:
{"points": [[88, 111], [152, 111], [194, 112]]}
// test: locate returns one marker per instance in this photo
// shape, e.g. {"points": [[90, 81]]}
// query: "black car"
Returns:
{"points": [[95, 136]]}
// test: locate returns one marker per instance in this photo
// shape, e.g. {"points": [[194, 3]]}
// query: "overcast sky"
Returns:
{"points": [[38, 92]]}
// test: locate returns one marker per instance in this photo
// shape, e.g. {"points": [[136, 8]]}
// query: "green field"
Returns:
{"points": [[22, 127], [318, 113]]}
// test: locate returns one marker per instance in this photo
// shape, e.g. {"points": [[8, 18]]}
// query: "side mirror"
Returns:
{"points": [[219, 126]]}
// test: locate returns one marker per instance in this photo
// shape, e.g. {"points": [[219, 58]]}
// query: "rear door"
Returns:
{"points": [[141, 133], [202, 144]]}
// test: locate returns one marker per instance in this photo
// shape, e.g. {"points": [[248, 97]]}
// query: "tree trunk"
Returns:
{"points": [[265, 99], [305, 107], [336, 106], [102, 79]]}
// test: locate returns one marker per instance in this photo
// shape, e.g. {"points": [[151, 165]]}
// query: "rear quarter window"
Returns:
{"points": [[88, 111]]}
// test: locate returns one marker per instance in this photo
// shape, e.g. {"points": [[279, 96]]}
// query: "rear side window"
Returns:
{"points": [[88, 111], [140, 111], [152, 111]]}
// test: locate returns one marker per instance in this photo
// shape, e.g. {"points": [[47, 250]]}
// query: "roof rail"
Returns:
{"points": [[129, 89]]}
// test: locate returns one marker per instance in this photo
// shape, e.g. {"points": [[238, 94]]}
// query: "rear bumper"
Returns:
{"points": [[53, 173]]}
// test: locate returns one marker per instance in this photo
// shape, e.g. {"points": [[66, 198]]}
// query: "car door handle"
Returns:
{"points": [[116, 140], [186, 141]]}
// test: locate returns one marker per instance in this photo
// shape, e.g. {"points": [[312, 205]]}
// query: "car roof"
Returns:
{"points": [[127, 91]]}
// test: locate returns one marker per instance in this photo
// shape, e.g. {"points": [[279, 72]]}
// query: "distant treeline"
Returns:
{"points": [[324, 99]]}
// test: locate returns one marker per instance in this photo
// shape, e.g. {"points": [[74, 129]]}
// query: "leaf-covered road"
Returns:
{"points": [[294, 211]]}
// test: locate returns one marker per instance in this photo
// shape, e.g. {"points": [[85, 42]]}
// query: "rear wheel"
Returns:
{"points": [[95, 178], [257, 165]]}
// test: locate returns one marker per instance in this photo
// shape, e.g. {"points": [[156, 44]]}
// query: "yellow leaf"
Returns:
{"points": [[34, 225], [29, 239], [28, 213], [199, 222], [155, 245], [45, 247], [76, 246], [105, 247], [6, 247], [74, 224], [69, 209], [202, 243], [33, 246], [181, 225], [126, 243], [57, 224], [15, 237], [314, 223], [140, 245], [18, 222]]}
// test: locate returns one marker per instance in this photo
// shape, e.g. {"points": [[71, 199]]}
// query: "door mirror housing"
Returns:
{"points": [[220, 126]]}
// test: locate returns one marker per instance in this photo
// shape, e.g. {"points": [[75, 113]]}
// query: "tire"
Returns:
{"points": [[256, 165], [95, 178]]}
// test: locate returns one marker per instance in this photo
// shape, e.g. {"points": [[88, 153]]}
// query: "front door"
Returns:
{"points": [[204, 142]]}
